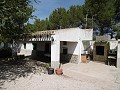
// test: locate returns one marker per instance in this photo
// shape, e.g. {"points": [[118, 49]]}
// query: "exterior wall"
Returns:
{"points": [[29, 46], [74, 38], [55, 52], [100, 57], [118, 55], [27, 51], [101, 38], [86, 34], [71, 46], [35, 54], [68, 34], [69, 58], [74, 52], [74, 34], [113, 44]]}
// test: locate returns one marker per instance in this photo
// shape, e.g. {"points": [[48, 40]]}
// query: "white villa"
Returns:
{"points": [[62, 44]]}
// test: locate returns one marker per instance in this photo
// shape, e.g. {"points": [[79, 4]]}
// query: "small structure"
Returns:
{"points": [[58, 45], [100, 51], [101, 48], [106, 50]]}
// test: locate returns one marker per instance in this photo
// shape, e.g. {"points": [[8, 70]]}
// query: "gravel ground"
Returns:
{"points": [[75, 77], [55, 82]]}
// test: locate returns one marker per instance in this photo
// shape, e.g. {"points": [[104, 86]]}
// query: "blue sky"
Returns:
{"points": [[45, 7]]}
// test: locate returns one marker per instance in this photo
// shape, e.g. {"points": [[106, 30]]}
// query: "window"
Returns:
{"points": [[65, 51], [64, 43], [99, 50]]}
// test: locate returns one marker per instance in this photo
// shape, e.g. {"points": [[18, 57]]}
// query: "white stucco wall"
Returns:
{"points": [[86, 34], [74, 34], [113, 44], [29, 46], [68, 34], [73, 47], [27, 51], [55, 52], [118, 55]]}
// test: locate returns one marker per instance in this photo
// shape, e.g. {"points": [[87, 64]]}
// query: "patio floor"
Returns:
{"points": [[93, 70]]}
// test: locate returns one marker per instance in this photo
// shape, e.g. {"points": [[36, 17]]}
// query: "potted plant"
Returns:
{"points": [[59, 71], [49, 69]]}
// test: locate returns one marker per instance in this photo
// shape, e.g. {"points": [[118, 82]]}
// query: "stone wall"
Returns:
{"points": [[69, 58], [103, 38], [102, 58]]}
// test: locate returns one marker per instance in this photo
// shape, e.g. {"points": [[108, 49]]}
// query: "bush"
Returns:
{"points": [[5, 52]]}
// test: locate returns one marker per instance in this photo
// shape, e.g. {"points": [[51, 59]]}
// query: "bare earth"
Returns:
{"points": [[90, 76]]}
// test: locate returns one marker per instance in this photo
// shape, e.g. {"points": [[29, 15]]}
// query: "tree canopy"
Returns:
{"points": [[117, 5], [13, 15], [93, 13], [61, 18], [102, 10]]}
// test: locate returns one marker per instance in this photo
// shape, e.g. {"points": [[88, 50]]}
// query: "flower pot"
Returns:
{"points": [[59, 71], [50, 71], [83, 58]]}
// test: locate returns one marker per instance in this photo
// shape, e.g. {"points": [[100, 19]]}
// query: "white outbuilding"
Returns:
{"points": [[58, 45]]}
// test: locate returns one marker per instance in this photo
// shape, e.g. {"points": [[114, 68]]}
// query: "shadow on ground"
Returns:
{"points": [[12, 68]]}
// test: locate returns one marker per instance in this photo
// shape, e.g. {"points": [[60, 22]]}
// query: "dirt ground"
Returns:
{"points": [[55, 82], [30, 75]]}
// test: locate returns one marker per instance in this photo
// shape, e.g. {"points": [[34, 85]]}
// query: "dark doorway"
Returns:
{"points": [[65, 51], [34, 46], [47, 47]]}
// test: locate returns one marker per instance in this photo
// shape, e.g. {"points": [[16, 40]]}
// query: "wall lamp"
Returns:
{"points": [[52, 39]]}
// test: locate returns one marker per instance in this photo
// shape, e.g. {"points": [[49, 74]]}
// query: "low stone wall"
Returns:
{"points": [[100, 58], [69, 58], [102, 38]]}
